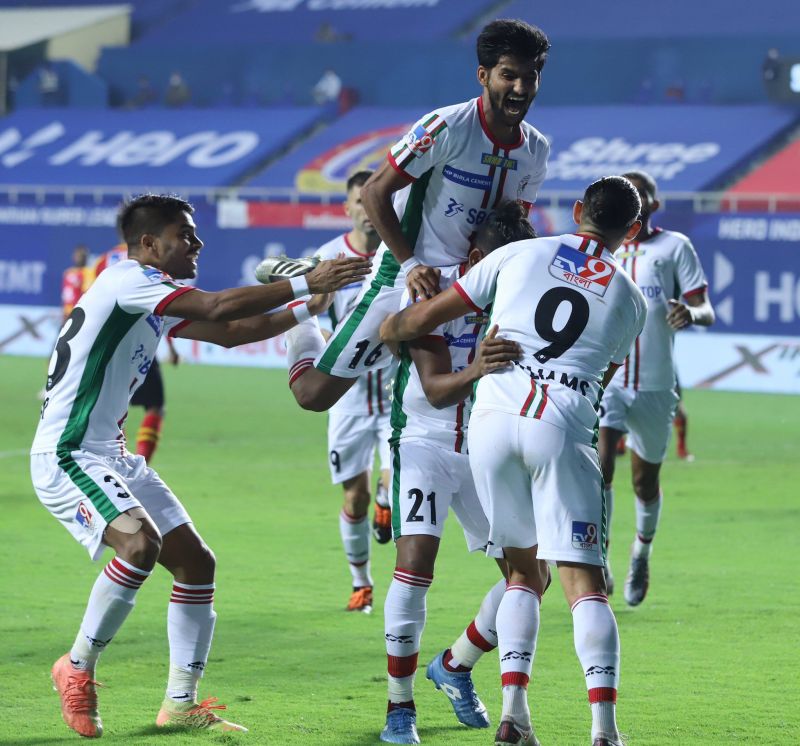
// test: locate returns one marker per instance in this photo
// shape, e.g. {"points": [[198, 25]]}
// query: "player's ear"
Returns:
{"points": [[577, 212], [474, 256], [633, 231], [654, 205], [148, 242], [483, 75]]}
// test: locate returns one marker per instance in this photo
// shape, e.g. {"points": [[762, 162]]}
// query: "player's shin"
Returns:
{"points": [[404, 619], [597, 646], [190, 628], [647, 516], [111, 600], [517, 630], [480, 636], [355, 533]]}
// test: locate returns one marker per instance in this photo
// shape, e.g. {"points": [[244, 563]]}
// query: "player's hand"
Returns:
{"points": [[679, 315], [423, 282], [332, 274], [319, 303], [496, 353], [172, 354]]}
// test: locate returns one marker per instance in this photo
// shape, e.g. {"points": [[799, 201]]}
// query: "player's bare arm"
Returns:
{"points": [[609, 374], [696, 310], [444, 387], [241, 303], [423, 317], [253, 329], [376, 196]]}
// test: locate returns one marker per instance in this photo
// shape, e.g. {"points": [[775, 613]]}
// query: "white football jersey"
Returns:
{"points": [[665, 266], [413, 417], [459, 173], [102, 355], [370, 394], [567, 303]]}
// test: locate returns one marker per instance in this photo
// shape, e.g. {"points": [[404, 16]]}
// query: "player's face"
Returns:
{"points": [[179, 247], [649, 205], [512, 85], [354, 209]]}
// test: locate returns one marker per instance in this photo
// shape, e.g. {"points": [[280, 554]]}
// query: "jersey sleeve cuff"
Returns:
{"points": [[175, 329], [393, 164], [463, 293], [696, 291], [171, 297]]}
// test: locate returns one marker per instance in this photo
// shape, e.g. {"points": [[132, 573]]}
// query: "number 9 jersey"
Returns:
{"points": [[102, 355], [572, 309]]}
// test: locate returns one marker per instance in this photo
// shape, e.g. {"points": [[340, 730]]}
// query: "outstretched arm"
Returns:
{"points": [[423, 317], [241, 303], [444, 387]]}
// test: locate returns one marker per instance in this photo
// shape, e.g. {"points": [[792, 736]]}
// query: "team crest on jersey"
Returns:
{"points": [[489, 159], [84, 515], [584, 270], [584, 535], [476, 319]]}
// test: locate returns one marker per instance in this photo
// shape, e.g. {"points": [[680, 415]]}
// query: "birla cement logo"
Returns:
{"points": [[124, 148], [328, 172], [594, 157]]}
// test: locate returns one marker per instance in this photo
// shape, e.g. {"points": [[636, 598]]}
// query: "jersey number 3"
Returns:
{"points": [[62, 353]]}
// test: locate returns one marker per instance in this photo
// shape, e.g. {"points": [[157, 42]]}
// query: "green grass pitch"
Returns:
{"points": [[711, 657]]}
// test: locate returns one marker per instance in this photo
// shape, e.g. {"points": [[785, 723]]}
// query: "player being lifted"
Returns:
{"points": [[438, 185], [430, 475], [105, 496], [533, 432], [641, 400], [358, 423]]}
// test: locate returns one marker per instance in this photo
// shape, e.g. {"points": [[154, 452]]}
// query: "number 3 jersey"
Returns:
{"points": [[459, 174], [102, 355], [664, 266], [414, 418], [572, 309]]}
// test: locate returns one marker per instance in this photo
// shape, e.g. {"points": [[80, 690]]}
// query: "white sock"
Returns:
{"points": [[647, 515], [597, 646], [355, 539], [303, 343], [517, 629], [481, 635], [111, 600], [404, 619], [190, 628]]}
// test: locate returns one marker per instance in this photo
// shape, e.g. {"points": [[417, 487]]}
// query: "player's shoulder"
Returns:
{"points": [[332, 248], [671, 240], [537, 142], [457, 112]]}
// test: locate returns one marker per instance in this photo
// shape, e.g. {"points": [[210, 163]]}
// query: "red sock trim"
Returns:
{"points": [[121, 575], [643, 539], [602, 694], [402, 666], [477, 639], [515, 678], [447, 662], [599, 597], [300, 367], [525, 588], [351, 518], [419, 580], [397, 705]]}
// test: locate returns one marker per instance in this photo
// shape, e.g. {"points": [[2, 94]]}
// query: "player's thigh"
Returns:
{"points": [[160, 502], [567, 493], [422, 489], [501, 478], [351, 443], [84, 492], [650, 424], [384, 432], [355, 347]]}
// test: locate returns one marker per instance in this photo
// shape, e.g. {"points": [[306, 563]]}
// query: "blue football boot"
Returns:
{"points": [[459, 690], [401, 726]]}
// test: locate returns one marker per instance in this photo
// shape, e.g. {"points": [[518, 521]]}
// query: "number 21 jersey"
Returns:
{"points": [[102, 355], [572, 309]]}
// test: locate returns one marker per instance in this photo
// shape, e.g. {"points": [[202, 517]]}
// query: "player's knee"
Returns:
{"points": [[356, 503], [204, 561], [645, 487]]}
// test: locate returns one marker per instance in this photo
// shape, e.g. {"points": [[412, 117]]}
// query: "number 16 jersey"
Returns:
{"points": [[572, 309], [102, 355]]}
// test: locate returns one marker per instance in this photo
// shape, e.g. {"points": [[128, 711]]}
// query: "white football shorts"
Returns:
{"points": [[538, 486], [645, 415], [352, 442], [427, 481], [86, 492]]}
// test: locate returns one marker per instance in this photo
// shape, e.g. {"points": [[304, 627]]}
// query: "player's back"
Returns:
{"points": [[572, 309]]}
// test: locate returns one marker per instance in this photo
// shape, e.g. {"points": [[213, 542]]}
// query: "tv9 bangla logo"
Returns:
{"points": [[584, 535]]}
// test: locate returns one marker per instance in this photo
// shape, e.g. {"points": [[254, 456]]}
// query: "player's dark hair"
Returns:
{"points": [[359, 178], [508, 223], [512, 37], [647, 181], [149, 213], [611, 204]]}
